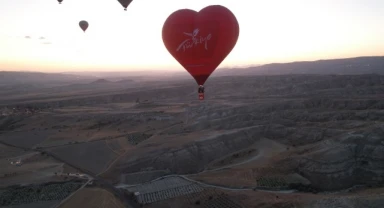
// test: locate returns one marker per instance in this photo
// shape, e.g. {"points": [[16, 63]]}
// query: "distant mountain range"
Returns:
{"points": [[359, 65], [20, 77], [105, 81]]}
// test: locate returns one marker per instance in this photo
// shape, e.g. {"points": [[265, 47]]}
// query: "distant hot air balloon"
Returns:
{"points": [[60, 1], [83, 25], [125, 3], [200, 41]]}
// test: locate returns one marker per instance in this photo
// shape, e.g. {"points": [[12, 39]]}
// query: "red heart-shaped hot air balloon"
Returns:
{"points": [[200, 41]]}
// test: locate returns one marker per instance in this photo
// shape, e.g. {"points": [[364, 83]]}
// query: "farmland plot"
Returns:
{"points": [[272, 182], [33, 176], [119, 145], [46, 204], [37, 193], [164, 189], [230, 178], [93, 197], [114, 144], [209, 198], [142, 177], [221, 201], [160, 185], [8, 152], [25, 139], [92, 156], [177, 129], [152, 197], [136, 138]]}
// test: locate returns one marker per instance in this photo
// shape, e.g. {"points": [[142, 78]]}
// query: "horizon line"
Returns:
{"points": [[177, 70]]}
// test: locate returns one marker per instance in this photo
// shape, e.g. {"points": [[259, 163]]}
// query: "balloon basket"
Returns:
{"points": [[201, 96]]}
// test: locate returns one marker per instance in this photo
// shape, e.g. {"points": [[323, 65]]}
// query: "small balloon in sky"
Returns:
{"points": [[60, 1], [83, 25], [125, 3], [200, 41]]}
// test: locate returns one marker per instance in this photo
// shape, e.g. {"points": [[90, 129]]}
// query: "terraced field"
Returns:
{"points": [[142, 177], [152, 197], [163, 189]]}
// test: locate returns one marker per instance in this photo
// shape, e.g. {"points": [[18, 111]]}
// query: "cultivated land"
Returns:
{"points": [[294, 140], [93, 197]]}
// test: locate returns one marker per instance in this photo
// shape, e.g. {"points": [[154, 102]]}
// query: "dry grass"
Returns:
{"points": [[35, 168], [8, 152], [93, 198], [69, 169], [271, 200], [234, 158], [229, 178]]}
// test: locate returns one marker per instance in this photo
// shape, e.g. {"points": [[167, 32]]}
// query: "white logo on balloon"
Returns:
{"points": [[194, 40]]}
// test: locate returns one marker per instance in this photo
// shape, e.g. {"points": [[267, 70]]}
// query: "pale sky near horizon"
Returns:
{"points": [[270, 31]]}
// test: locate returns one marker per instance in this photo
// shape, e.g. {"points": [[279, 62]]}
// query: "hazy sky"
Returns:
{"points": [[270, 31]]}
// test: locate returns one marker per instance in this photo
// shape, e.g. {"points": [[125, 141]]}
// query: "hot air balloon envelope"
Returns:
{"points": [[83, 25], [125, 3], [200, 41]]}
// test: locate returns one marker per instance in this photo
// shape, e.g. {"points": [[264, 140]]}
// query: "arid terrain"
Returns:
{"points": [[295, 139]]}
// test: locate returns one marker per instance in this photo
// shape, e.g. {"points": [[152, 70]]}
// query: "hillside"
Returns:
{"points": [[359, 65], [284, 140], [347, 66]]}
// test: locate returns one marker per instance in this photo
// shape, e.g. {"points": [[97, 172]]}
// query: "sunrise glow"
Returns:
{"points": [[42, 35]]}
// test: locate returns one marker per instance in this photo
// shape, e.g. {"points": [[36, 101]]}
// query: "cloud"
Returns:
{"points": [[46, 43], [27, 37], [42, 38]]}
